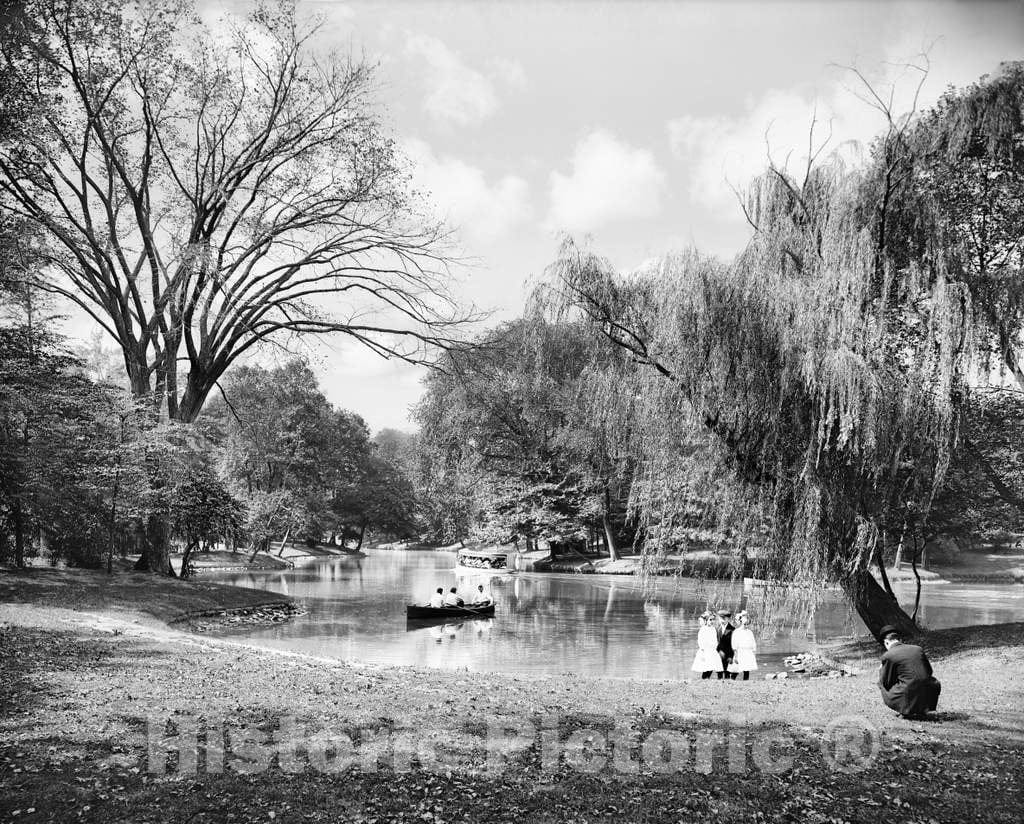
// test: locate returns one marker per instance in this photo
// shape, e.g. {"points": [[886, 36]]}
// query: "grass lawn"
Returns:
{"points": [[165, 599], [82, 700]]}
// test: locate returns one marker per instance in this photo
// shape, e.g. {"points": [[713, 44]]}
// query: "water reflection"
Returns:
{"points": [[544, 623], [440, 632]]}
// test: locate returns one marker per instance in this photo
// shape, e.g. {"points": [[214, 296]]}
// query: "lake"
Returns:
{"points": [[615, 626]]}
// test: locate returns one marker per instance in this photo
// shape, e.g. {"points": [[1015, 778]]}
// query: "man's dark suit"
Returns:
{"points": [[725, 648], [906, 681]]}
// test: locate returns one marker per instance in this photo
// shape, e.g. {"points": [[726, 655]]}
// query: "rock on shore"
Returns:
{"points": [[244, 618]]}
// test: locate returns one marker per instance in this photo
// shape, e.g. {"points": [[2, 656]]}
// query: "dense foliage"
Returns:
{"points": [[812, 406], [202, 188], [303, 467], [85, 471], [517, 440]]}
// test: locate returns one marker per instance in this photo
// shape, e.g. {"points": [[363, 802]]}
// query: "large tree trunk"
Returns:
{"points": [[156, 547], [194, 397], [362, 532], [875, 606]]}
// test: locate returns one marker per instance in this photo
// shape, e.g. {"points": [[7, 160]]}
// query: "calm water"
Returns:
{"points": [[606, 625]]}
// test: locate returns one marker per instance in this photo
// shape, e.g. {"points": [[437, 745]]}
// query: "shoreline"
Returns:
{"points": [[140, 594], [83, 689], [691, 565]]}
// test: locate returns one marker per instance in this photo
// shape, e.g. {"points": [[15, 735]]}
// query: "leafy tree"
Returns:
{"points": [[272, 515], [71, 468], [956, 172], [203, 193], [829, 364], [278, 428], [983, 497], [205, 512], [517, 428], [305, 467], [831, 409], [398, 448], [381, 498]]}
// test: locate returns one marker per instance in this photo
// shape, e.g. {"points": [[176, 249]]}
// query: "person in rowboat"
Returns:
{"points": [[452, 599], [437, 599], [482, 598]]}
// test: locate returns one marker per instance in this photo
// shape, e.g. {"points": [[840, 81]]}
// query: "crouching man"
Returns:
{"points": [[905, 677]]}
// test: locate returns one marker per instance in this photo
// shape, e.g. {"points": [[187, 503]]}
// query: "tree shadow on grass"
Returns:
{"points": [[27, 654], [942, 642]]}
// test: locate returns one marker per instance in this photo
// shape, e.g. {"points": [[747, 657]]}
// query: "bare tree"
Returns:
{"points": [[208, 187]]}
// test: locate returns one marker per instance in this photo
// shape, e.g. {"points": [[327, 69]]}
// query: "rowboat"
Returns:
{"points": [[417, 613], [489, 560]]}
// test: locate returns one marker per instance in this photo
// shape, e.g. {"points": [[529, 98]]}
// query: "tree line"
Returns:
{"points": [[86, 466], [845, 388]]}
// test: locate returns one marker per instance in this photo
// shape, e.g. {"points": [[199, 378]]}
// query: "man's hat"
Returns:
{"points": [[886, 630], [724, 613]]}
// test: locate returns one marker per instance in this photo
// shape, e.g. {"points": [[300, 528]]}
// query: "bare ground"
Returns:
{"points": [[78, 688]]}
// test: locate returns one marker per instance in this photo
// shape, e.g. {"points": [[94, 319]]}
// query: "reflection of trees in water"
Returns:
{"points": [[559, 623]]}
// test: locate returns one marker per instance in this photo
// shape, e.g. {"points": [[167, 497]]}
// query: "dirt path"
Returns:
{"points": [[85, 692]]}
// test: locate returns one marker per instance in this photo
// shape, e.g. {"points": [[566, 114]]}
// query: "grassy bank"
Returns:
{"points": [[127, 593], [76, 698]]}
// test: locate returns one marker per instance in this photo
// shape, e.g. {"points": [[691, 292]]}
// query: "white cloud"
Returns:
{"points": [[609, 181], [481, 210], [722, 152], [458, 93], [728, 152]]}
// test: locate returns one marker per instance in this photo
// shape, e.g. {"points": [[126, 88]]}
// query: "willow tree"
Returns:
{"points": [[958, 171], [207, 188], [830, 409]]}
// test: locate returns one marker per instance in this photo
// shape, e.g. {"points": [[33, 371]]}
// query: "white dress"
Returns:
{"points": [[707, 657], [743, 646]]}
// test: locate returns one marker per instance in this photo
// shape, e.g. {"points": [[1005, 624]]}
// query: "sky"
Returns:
{"points": [[632, 123]]}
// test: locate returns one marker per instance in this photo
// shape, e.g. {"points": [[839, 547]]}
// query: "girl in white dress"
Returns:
{"points": [[707, 659], [744, 646]]}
